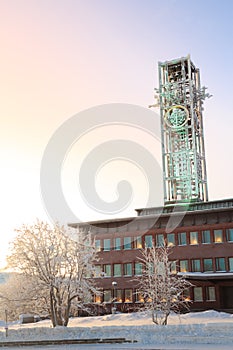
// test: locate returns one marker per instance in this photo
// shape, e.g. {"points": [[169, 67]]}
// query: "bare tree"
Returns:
{"points": [[60, 260], [161, 290]]}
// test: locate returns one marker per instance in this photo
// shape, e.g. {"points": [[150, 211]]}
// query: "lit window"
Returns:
{"points": [[97, 298], [173, 267], [230, 264], [97, 245], [117, 269], [220, 264], [186, 295], [128, 269], [107, 296], [197, 294], [128, 296], [206, 236], [127, 243], [138, 269], [119, 296], [210, 293], [159, 240], [170, 239], [117, 243], [196, 265], [208, 265], [218, 236], [107, 244], [148, 241], [139, 297], [107, 270], [183, 265], [138, 242], [182, 238], [229, 232], [193, 237]]}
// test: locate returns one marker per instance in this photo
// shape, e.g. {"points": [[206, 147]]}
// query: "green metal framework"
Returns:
{"points": [[180, 98]]}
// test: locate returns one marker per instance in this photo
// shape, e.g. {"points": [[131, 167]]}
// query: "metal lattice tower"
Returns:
{"points": [[180, 98]]}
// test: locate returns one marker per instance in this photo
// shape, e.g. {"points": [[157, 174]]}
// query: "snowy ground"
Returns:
{"points": [[205, 330]]}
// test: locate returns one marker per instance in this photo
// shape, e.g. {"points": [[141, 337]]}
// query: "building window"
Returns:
{"points": [[127, 243], [138, 242], [97, 271], [196, 265], [117, 243], [148, 241], [107, 296], [173, 267], [183, 265], [139, 297], [117, 270], [118, 296], [197, 294], [206, 236], [210, 294], [230, 260], [182, 238], [97, 245], [159, 240], [171, 239], [107, 244], [186, 295], [128, 295], [97, 298], [229, 232], [128, 269], [220, 264], [107, 270], [193, 237], [208, 265], [218, 236], [138, 269]]}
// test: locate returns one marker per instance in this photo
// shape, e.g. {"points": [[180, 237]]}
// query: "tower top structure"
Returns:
{"points": [[180, 97]]}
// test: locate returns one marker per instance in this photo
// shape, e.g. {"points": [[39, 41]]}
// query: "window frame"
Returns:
{"points": [[114, 272], [146, 237], [195, 300], [180, 239], [196, 237], [203, 237], [125, 269], [208, 294], [107, 248], [117, 246], [218, 263], [127, 245], [204, 269], [215, 236]]}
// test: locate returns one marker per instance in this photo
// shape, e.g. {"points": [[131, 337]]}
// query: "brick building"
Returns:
{"points": [[201, 248]]}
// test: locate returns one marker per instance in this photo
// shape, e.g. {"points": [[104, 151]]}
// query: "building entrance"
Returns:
{"points": [[227, 297]]}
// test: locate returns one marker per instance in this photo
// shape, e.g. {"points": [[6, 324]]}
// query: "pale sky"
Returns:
{"points": [[60, 57]]}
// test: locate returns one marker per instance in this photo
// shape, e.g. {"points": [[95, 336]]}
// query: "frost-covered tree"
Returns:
{"points": [[60, 260], [22, 294], [161, 290]]}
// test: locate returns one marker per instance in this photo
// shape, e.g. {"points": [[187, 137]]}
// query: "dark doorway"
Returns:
{"points": [[227, 297]]}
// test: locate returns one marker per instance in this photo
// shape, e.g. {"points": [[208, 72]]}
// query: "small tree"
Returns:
{"points": [[60, 260], [161, 290]]}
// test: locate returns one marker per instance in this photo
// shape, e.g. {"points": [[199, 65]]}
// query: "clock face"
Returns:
{"points": [[176, 116]]}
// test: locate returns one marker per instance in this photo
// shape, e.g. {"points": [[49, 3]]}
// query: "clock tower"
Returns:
{"points": [[180, 98]]}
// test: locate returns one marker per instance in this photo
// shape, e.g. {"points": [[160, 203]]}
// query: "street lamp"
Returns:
{"points": [[114, 285]]}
